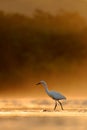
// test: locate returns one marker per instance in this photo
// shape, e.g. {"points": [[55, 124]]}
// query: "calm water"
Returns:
{"points": [[43, 123], [26, 114]]}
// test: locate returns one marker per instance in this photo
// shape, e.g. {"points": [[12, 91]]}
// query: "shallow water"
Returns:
{"points": [[26, 114], [43, 123]]}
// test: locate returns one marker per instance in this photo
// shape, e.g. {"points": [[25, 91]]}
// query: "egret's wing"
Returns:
{"points": [[56, 95]]}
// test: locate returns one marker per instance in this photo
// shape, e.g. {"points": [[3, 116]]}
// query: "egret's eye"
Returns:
{"points": [[38, 83]]}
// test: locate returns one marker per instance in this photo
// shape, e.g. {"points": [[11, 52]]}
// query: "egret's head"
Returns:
{"points": [[42, 82]]}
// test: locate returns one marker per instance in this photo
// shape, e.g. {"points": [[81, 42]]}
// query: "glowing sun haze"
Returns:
{"points": [[28, 6], [50, 46]]}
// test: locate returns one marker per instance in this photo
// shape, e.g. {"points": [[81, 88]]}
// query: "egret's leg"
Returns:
{"points": [[55, 105], [60, 105]]}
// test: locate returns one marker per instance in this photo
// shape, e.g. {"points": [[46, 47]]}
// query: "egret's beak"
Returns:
{"points": [[38, 83]]}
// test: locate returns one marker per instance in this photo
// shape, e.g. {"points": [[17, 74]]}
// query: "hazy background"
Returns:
{"points": [[54, 6], [43, 40]]}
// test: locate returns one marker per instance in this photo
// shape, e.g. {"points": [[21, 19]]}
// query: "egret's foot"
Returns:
{"points": [[60, 105], [55, 110]]}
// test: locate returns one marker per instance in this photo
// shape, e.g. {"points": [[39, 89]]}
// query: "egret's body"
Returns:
{"points": [[54, 95]]}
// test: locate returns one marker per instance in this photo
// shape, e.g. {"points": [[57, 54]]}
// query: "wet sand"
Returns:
{"points": [[31, 115], [43, 123], [42, 113], [39, 120]]}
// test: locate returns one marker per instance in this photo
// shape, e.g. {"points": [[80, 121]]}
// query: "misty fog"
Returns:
{"points": [[44, 46]]}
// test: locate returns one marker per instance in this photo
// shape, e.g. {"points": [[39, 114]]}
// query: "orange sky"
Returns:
{"points": [[71, 81], [72, 84], [28, 6]]}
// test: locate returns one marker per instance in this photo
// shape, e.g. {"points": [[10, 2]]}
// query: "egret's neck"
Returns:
{"points": [[46, 88]]}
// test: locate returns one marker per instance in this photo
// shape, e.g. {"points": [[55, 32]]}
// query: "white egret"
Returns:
{"points": [[54, 95]]}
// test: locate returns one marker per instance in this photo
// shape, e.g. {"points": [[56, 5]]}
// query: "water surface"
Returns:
{"points": [[26, 114]]}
